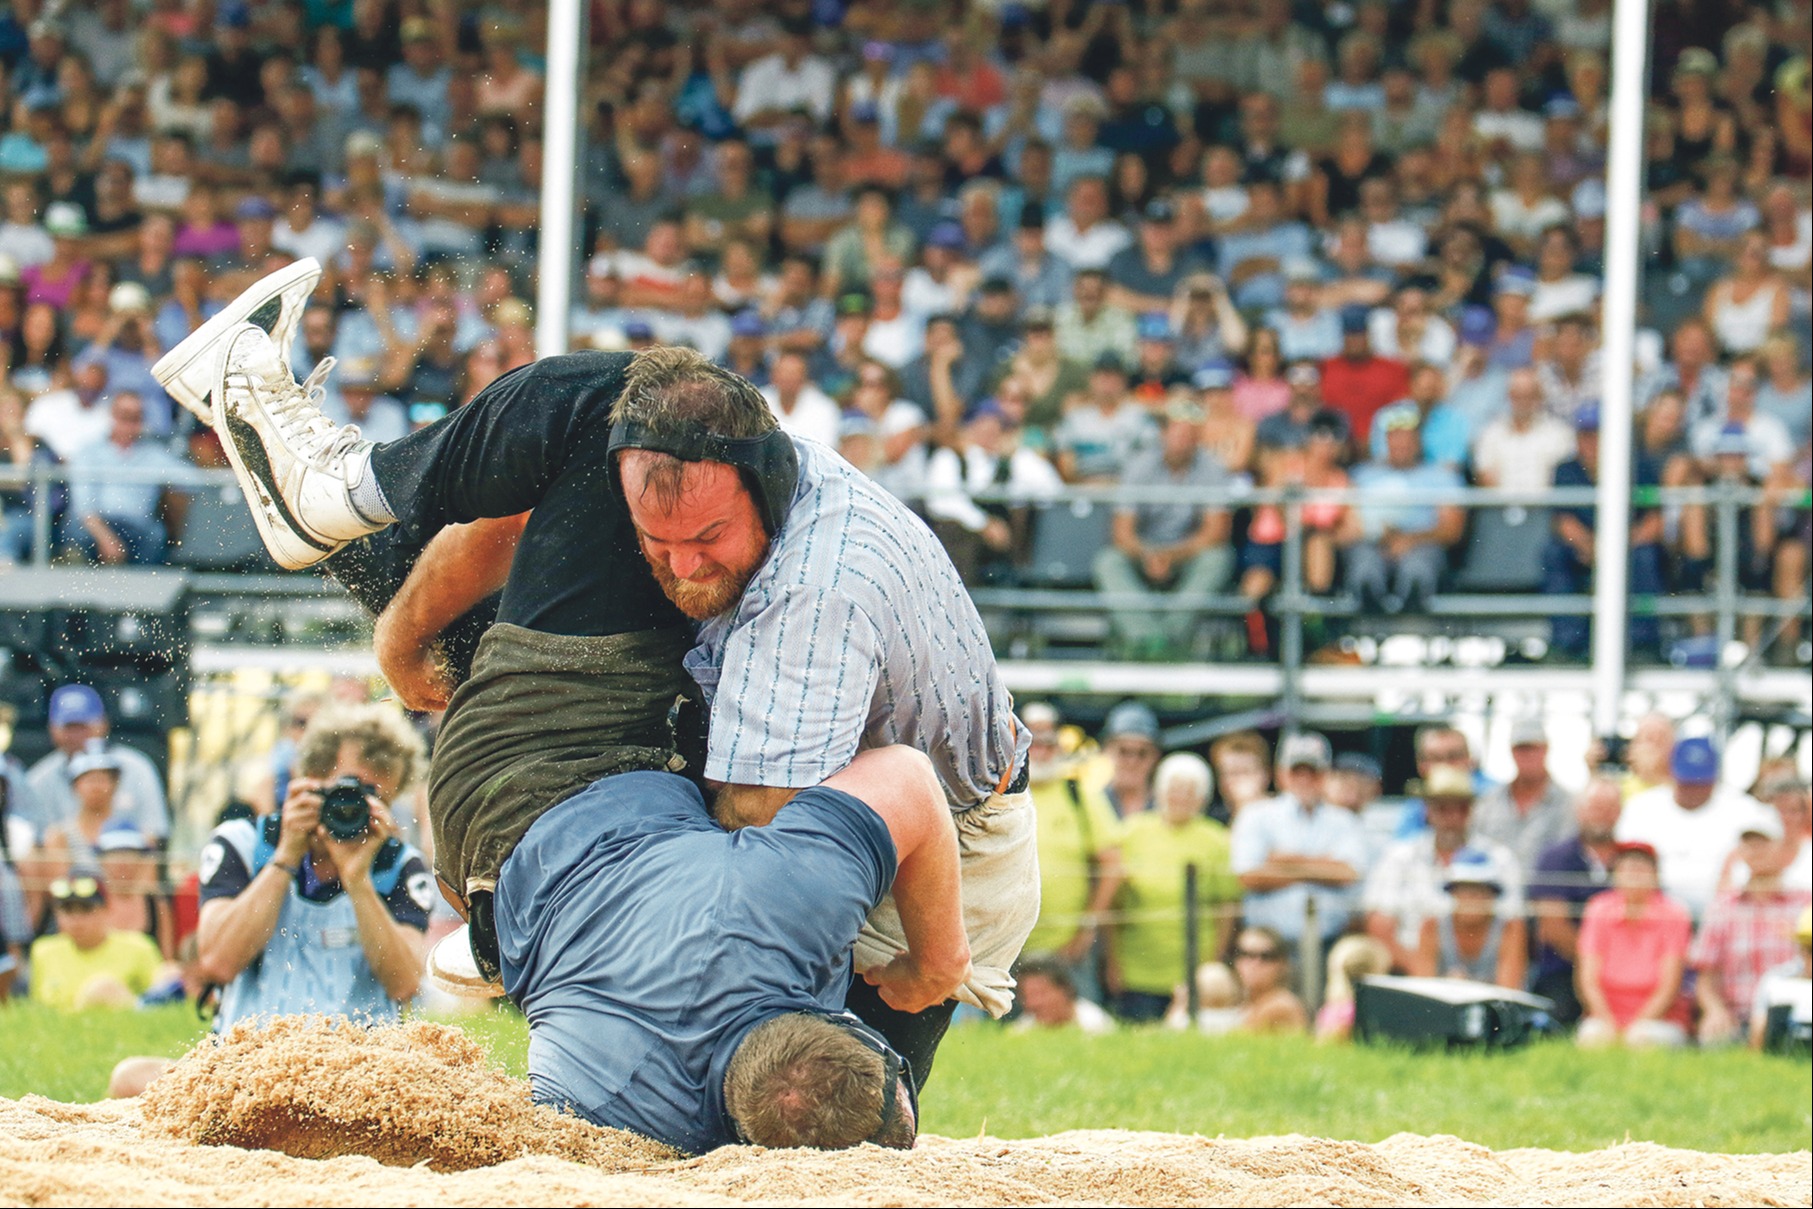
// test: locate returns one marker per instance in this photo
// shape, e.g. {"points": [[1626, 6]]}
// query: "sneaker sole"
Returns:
{"points": [[261, 303], [462, 984], [293, 548]]}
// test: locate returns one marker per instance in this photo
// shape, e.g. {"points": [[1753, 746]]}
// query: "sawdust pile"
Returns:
{"points": [[403, 1095], [331, 1108]]}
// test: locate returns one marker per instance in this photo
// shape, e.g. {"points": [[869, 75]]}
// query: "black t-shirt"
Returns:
{"points": [[226, 876]]}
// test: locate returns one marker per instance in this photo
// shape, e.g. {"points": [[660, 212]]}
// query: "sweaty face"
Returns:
{"points": [[702, 544]]}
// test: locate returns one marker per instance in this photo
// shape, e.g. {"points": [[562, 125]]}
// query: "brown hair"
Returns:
{"points": [[1249, 741], [383, 737], [667, 386], [800, 1080]]}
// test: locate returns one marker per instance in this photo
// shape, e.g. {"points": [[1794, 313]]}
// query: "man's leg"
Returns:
{"points": [[1562, 575], [1419, 574], [1201, 578], [1367, 572], [1115, 573]]}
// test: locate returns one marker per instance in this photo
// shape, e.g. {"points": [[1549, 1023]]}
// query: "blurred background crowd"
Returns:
{"points": [[987, 250]]}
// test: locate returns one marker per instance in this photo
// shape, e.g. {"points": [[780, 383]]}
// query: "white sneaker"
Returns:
{"points": [[296, 467], [275, 303], [452, 968]]}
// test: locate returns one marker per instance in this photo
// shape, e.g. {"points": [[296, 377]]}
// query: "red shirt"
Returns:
{"points": [[1744, 936], [1631, 951], [1358, 389]]}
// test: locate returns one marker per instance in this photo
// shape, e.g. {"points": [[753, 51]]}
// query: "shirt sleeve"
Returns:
{"points": [[1248, 846], [412, 898], [223, 872], [795, 693]]}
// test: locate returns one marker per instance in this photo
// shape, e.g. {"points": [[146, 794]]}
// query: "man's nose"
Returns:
{"points": [[686, 563]]}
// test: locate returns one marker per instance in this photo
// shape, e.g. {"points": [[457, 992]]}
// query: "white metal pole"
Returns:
{"points": [[561, 147], [1624, 199]]}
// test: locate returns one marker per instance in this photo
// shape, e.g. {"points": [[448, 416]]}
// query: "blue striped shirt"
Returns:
{"points": [[855, 632]]}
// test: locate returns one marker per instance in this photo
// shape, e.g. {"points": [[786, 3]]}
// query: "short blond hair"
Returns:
{"points": [[801, 1080], [383, 736]]}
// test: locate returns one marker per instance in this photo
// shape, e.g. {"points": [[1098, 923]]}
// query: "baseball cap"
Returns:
{"points": [[95, 756], [1159, 210], [236, 16], [65, 218], [1763, 821], [129, 297], [122, 837], [1516, 281], [1153, 325], [1697, 61], [1214, 375], [74, 704], [1354, 320], [946, 234], [1477, 326], [1303, 373], [1635, 848], [638, 329], [1110, 362], [363, 142], [747, 323], [1131, 719], [1359, 764], [1561, 107], [1586, 416], [1694, 762], [252, 208], [865, 112], [1472, 867], [855, 425], [1307, 750], [417, 29], [1037, 317], [1528, 732], [1447, 782], [1301, 268], [1731, 440], [1405, 415]]}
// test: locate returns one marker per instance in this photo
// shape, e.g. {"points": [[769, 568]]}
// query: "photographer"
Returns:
{"points": [[314, 908]]}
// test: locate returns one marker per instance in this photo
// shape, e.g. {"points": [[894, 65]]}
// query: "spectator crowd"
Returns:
{"points": [[984, 249]]}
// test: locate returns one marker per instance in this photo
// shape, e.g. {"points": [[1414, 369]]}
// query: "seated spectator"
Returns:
{"points": [[94, 779], [798, 403], [1788, 794], [1049, 1000], [1263, 965], [1297, 849], [1407, 331], [1632, 952], [1764, 438], [379, 416], [1472, 939], [1147, 948], [1750, 302], [1567, 874], [1260, 390], [1397, 541], [1146, 275], [1746, 933], [55, 281], [1103, 430], [1693, 823], [69, 418], [1405, 888], [1445, 429], [1351, 960], [987, 539], [1252, 255], [873, 235], [1314, 463], [112, 521], [1530, 813], [295, 918], [1088, 326], [1218, 1008], [1569, 557], [1226, 433], [1129, 738], [1359, 383], [1307, 329], [739, 208], [1521, 450], [1040, 278], [1290, 428], [1786, 391], [1177, 549], [77, 718], [1085, 236], [1778, 983], [694, 319], [1436, 744], [88, 963]]}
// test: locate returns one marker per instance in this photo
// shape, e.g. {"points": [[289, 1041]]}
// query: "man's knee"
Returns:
{"points": [[131, 1076]]}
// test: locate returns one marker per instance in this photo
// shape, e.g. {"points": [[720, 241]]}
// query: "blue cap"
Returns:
{"points": [[1731, 439], [76, 704], [1359, 764], [1694, 762], [1516, 281], [638, 329], [234, 16], [1153, 325], [946, 234], [988, 409], [1213, 375], [747, 323], [1472, 867], [865, 111], [1354, 320], [1586, 416], [254, 207], [1477, 326], [1131, 719], [1561, 107]]}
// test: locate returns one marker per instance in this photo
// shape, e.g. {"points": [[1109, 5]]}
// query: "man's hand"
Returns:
{"points": [[997, 535], [353, 857], [906, 986], [414, 668], [301, 815], [1156, 565], [1717, 1025]]}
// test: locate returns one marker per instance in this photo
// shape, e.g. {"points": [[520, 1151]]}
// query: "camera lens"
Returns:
{"points": [[345, 810]]}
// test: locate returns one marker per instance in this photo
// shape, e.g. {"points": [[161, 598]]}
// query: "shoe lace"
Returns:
{"points": [[297, 410]]}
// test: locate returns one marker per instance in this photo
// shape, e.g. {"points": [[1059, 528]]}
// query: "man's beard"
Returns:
{"points": [[700, 601]]}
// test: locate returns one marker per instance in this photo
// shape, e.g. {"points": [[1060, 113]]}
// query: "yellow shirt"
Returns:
{"points": [[1070, 832], [1150, 939], [59, 970]]}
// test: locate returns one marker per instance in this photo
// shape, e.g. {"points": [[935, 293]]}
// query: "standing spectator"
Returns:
{"points": [[1531, 813], [1297, 849], [1692, 823], [1398, 540], [1177, 549], [1471, 938], [1405, 888], [1080, 869], [1157, 846], [114, 521], [77, 718], [1437, 743], [88, 963], [1242, 765], [1359, 383], [1632, 953], [1746, 933], [1130, 739], [1567, 875]]}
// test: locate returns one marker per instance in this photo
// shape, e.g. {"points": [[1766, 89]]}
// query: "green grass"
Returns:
{"points": [[1020, 1085]]}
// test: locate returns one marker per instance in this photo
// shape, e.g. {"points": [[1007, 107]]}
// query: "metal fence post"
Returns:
{"points": [[1309, 955], [1290, 603], [1192, 942], [40, 514], [1725, 500]]}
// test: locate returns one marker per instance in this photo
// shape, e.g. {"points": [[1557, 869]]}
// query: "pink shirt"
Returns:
{"points": [[1631, 951], [1256, 400]]}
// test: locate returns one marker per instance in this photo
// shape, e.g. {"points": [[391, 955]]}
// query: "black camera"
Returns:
{"points": [[345, 808]]}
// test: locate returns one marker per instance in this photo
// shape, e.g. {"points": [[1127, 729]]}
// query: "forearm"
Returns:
{"points": [[458, 568], [1558, 932], [233, 932], [393, 950], [1586, 986], [1663, 997], [928, 893]]}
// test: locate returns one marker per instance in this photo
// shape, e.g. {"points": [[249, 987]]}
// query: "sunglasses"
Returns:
{"points": [[1256, 954], [76, 893]]}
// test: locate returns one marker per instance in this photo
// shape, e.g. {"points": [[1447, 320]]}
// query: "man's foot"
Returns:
{"points": [[298, 468], [452, 968], [274, 303]]}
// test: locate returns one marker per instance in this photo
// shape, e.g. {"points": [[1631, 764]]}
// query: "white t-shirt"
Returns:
{"points": [[1090, 1019], [1407, 884], [1524, 461], [1091, 249], [896, 341], [1691, 844], [815, 414], [58, 418], [1574, 294]]}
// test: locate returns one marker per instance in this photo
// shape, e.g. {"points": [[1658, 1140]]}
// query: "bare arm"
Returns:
{"points": [[232, 932], [751, 805], [1668, 986], [1384, 929], [461, 566], [1426, 962], [1555, 929], [1283, 869], [1586, 985], [1513, 956]]}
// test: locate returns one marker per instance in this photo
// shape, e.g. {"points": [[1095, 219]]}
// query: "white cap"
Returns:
{"points": [[129, 296], [1765, 822]]}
